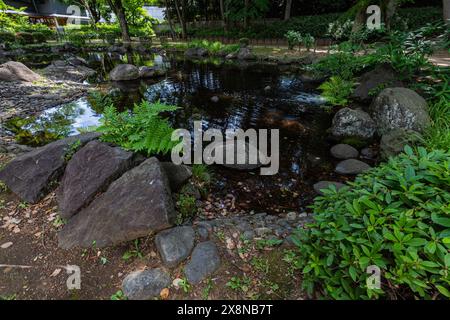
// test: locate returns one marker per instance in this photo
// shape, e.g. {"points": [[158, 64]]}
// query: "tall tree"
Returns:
{"points": [[222, 13], [287, 10], [246, 13], [181, 15], [169, 19], [390, 9], [119, 11]]}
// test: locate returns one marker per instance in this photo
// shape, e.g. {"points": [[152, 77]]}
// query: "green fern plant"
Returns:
{"points": [[143, 130], [337, 91]]}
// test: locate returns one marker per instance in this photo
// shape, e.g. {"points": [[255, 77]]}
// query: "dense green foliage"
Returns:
{"points": [[397, 217], [143, 130], [213, 47], [319, 25], [337, 91]]}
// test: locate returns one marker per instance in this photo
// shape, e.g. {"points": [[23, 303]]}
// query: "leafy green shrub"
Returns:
{"points": [[340, 30], [337, 91], [143, 130], [244, 42], [293, 38], [7, 37], [213, 48], [24, 38], [342, 64], [39, 37], [76, 37], [316, 25], [308, 41], [438, 134], [397, 217], [414, 18]]}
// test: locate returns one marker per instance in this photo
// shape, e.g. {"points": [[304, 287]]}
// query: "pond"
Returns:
{"points": [[244, 101]]}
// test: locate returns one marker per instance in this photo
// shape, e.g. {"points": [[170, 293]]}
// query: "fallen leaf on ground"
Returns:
{"points": [[6, 245], [55, 273], [164, 293]]}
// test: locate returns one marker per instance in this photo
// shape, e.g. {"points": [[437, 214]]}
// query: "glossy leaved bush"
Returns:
{"points": [[396, 217]]}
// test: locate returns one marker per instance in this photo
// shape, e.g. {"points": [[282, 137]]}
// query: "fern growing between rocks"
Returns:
{"points": [[337, 91], [143, 130]]}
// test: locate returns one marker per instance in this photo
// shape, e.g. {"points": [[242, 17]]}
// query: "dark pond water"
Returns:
{"points": [[290, 105]]}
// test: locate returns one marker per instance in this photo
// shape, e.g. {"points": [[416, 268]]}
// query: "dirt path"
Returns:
{"points": [[441, 58]]}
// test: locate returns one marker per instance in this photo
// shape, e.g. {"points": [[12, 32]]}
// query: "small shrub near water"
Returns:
{"points": [[397, 217]]}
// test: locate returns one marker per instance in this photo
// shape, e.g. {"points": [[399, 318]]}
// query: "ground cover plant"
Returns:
{"points": [[396, 217]]}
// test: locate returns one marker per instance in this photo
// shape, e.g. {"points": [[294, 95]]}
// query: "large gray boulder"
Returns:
{"points": [[175, 245], [64, 70], [352, 166], [17, 71], [178, 175], [146, 284], [245, 54], [396, 108], [89, 172], [394, 142], [383, 76], [30, 175], [137, 204], [124, 72], [350, 123], [204, 262]]}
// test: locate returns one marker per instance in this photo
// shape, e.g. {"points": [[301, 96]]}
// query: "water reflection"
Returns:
{"points": [[54, 123]]}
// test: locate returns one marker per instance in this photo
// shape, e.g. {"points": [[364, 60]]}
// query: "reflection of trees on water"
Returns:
{"points": [[49, 126]]}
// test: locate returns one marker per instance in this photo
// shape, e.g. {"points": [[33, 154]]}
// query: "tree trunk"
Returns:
{"points": [[117, 7], [169, 19], [360, 20], [287, 11], [247, 5], [222, 13], [181, 20], [446, 5], [391, 8]]}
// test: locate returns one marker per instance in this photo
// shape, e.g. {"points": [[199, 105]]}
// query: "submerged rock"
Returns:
{"points": [[204, 262], [175, 245], [248, 164], [196, 52], [351, 166], [89, 172], [124, 72], [145, 285], [135, 205], [400, 108], [30, 175], [17, 71], [344, 151]]}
